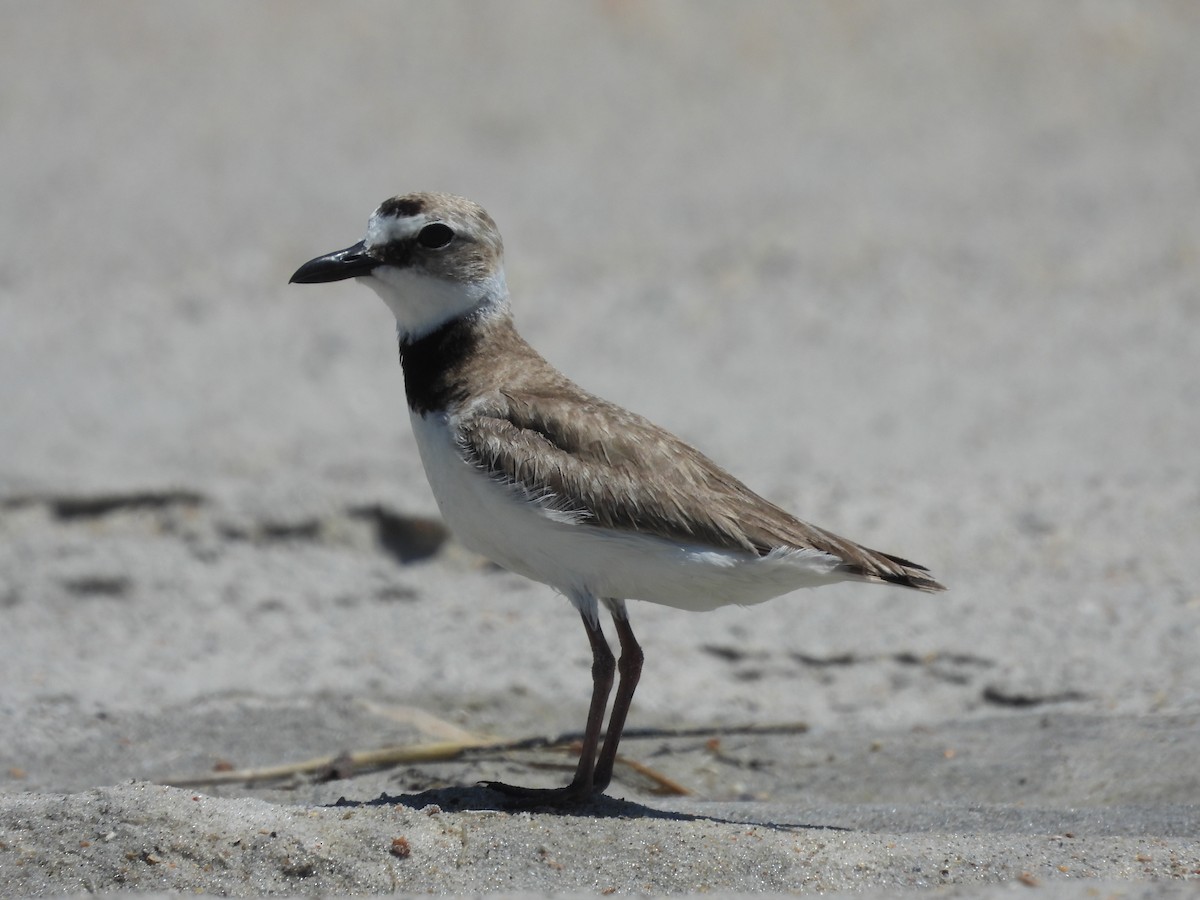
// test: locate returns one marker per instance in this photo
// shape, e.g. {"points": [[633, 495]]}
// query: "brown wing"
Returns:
{"points": [[618, 470]]}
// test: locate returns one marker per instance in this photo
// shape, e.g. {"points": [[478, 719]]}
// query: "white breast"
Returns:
{"points": [[500, 522]]}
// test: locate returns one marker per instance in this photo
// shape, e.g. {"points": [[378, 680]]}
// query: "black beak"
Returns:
{"points": [[348, 263]]}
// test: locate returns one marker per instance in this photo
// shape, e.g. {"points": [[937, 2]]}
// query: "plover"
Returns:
{"points": [[549, 481]]}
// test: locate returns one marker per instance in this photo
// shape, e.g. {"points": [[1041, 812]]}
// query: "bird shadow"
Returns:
{"points": [[479, 799]]}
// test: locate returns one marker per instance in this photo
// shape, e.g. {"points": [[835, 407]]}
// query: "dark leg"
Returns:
{"points": [[581, 786], [630, 667]]}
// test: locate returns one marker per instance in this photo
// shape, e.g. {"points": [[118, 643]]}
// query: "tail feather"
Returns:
{"points": [[883, 567]]}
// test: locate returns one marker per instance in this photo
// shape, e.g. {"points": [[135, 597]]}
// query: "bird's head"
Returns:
{"points": [[431, 257]]}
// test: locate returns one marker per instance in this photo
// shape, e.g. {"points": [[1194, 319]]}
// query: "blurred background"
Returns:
{"points": [[925, 273], [942, 236]]}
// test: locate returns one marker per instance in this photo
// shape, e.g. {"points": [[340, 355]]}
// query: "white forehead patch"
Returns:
{"points": [[382, 230]]}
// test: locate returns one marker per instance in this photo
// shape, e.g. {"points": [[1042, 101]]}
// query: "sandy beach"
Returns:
{"points": [[926, 275]]}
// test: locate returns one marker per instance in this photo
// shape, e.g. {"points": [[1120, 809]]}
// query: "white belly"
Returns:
{"points": [[499, 522]]}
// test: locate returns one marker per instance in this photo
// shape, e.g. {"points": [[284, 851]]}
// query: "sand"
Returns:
{"points": [[924, 274]]}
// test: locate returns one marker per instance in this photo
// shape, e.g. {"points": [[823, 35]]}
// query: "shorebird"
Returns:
{"points": [[550, 481]]}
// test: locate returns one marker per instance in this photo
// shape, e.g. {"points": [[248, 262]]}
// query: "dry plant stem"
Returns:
{"points": [[442, 751]]}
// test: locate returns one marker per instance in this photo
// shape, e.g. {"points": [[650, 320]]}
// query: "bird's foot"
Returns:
{"points": [[524, 797]]}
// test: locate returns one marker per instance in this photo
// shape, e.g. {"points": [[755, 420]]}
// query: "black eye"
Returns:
{"points": [[435, 236]]}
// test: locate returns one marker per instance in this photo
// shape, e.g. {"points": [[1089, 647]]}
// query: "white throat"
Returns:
{"points": [[422, 304]]}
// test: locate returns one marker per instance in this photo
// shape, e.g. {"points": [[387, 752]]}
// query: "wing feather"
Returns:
{"points": [[609, 467]]}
